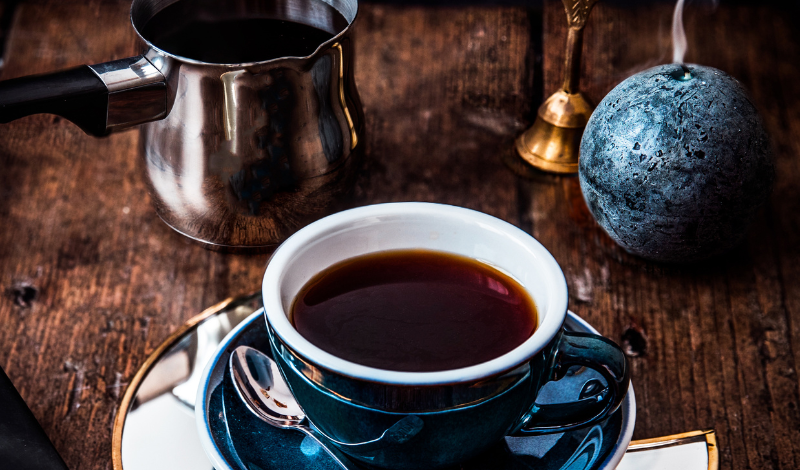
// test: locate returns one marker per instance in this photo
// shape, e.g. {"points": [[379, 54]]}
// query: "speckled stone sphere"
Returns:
{"points": [[673, 167]]}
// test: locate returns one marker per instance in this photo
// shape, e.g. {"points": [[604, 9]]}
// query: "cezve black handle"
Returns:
{"points": [[23, 443], [98, 98]]}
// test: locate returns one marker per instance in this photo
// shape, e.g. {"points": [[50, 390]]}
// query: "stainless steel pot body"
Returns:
{"points": [[249, 153], [237, 156]]}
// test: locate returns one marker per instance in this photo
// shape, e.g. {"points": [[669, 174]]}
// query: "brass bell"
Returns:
{"points": [[552, 143]]}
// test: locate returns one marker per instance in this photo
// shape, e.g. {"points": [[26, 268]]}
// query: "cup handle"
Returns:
{"points": [[595, 352]]}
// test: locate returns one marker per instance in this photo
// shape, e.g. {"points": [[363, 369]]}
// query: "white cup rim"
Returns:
{"points": [[552, 316]]}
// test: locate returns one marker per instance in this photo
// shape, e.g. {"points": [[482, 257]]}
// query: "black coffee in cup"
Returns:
{"points": [[414, 310], [215, 32]]}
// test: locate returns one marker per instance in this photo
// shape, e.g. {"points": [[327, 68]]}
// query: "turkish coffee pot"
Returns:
{"points": [[236, 155]]}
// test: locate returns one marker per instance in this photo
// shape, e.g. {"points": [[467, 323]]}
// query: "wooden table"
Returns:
{"points": [[92, 281]]}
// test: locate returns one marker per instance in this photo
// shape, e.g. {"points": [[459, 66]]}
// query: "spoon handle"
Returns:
{"points": [[343, 460]]}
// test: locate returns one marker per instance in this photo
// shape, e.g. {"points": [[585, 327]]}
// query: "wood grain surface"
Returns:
{"points": [[92, 281]]}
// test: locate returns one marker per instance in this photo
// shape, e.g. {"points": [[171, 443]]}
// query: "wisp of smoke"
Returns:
{"points": [[678, 34]]}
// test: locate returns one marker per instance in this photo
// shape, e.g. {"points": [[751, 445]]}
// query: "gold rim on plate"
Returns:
{"points": [[709, 436], [133, 387]]}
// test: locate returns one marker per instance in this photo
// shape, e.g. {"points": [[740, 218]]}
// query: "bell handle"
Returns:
{"points": [[577, 14]]}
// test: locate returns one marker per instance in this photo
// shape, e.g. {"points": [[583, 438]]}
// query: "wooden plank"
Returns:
{"points": [[445, 91], [722, 335], [93, 279]]}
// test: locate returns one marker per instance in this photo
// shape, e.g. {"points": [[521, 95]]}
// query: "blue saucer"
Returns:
{"points": [[234, 439]]}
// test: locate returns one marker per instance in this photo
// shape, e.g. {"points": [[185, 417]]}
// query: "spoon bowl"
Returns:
{"points": [[258, 382], [261, 387]]}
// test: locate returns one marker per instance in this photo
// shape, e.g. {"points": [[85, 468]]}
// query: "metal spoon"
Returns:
{"points": [[261, 387]]}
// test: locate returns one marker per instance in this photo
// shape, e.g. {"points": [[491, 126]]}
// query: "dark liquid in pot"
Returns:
{"points": [[414, 310], [183, 30]]}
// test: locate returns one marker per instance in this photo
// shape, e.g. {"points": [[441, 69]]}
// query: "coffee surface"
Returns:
{"points": [[233, 40], [414, 310]]}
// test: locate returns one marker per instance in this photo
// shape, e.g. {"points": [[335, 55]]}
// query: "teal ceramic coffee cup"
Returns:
{"points": [[420, 420]]}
